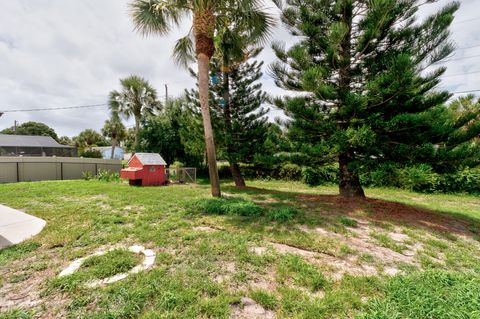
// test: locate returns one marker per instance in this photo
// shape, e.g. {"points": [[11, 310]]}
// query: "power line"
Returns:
{"points": [[54, 108], [457, 59], [471, 47], [465, 21], [462, 92], [458, 74]]}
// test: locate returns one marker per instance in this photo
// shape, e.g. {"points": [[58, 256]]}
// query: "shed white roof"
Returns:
{"points": [[150, 159]]}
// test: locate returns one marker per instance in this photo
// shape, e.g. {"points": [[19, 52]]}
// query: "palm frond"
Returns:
{"points": [[184, 51], [157, 16]]}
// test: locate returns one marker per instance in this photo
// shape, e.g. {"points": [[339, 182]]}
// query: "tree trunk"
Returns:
{"points": [[350, 186], [237, 175], [137, 132], [204, 31], [203, 88], [114, 143], [349, 183]]}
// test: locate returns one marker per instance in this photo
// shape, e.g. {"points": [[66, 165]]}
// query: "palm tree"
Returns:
{"points": [[115, 130], [137, 98], [209, 16]]}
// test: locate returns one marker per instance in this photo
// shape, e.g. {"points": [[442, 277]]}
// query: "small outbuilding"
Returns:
{"points": [[34, 146], [145, 169]]}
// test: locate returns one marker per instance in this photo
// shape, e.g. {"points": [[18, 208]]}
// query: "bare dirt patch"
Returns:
{"points": [[397, 213], [336, 267], [360, 241], [206, 229], [249, 309]]}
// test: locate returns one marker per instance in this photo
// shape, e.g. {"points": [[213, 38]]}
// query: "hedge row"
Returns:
{"points": [[420, 178]]}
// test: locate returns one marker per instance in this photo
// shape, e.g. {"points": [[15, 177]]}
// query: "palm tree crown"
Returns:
{"points": [[136, 99], [209, 17]]}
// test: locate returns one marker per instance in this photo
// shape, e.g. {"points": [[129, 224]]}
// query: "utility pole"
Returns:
{"points": [[15, 123], [166, 93]]}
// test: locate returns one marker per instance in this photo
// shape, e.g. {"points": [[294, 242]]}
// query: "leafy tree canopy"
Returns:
{"points": [[162, 134], [89, 138], [34, 129]]}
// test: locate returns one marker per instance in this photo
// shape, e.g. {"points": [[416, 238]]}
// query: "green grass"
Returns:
{"points": [[265, 298], [433, 294], [302, 273], [113, 262], [206, 261]]}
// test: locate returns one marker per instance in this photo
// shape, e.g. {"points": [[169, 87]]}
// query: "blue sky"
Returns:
{"points": [[67, 52]]}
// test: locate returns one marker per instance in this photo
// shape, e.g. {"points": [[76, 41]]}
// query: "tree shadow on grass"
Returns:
{"points": [[329, 208]]}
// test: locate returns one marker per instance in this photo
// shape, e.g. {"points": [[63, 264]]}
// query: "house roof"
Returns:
{"points": [[149, 159], [29, 141]]}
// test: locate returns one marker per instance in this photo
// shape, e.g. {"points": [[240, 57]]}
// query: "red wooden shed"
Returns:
{"points": [[145, 169]]}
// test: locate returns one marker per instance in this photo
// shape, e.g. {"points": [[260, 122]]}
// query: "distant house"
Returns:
{"points": [[23, 145], [107, 152]]}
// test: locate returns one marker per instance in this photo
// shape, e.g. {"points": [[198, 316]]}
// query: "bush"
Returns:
{"points": [[320, 175], [291, 172], [221, 206], [467, 181], [91, 154], [383, 176], [107, 176], [420, 178], [282, 214], [87, 175]]}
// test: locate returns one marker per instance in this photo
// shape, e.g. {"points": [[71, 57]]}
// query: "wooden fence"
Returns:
{"points": [[29, 169]]}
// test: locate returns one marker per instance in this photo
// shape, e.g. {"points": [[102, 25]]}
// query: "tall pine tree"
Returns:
{"points": [[237, 113], [368, 72]]}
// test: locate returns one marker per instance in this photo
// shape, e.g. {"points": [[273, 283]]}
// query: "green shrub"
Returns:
{"points": [[385, 175], [282, 214], [87, 175], [290, 172], [420, 178], [320, 175], [467, 181], [221, 206], [91, 154], [107, 176]]}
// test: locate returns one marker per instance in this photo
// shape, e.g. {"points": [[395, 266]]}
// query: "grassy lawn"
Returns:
{"points": [[272, 250]]}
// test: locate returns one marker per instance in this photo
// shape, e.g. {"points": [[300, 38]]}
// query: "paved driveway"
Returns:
{"points": [[16, 226]]}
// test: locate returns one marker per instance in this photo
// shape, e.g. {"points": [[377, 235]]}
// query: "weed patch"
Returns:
{"points": [[302, 273], [282, 214], [264, 298], [223, 206]]}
